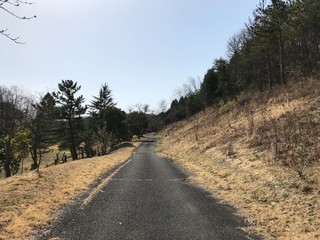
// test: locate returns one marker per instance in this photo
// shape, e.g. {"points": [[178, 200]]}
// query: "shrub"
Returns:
{"points": [[293, 139]]}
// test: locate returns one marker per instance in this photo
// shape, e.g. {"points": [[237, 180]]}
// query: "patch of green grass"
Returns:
{"points": [[285, 195], [6, 203], [226, 107], [12, 188]]}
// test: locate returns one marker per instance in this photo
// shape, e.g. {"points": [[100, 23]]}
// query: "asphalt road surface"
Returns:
{"points": [[149, 198]]}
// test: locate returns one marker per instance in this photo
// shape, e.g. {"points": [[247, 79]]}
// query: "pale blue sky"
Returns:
{"points": [[143, 49]]}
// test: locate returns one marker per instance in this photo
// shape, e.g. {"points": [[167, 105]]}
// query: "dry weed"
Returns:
{"points": [[274, 199]]}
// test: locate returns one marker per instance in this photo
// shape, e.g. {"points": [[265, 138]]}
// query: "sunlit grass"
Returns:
{"points": [[30, 201], [273, 198]]}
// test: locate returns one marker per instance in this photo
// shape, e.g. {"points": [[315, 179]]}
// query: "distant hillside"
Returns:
{"points": [[260, 154]]}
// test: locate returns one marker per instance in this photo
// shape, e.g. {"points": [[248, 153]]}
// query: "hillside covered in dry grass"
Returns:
{"points": [[259, 154]]}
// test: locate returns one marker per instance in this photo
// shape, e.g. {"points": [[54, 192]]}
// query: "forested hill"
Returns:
{"points": [[280, 43], [249, 130]]}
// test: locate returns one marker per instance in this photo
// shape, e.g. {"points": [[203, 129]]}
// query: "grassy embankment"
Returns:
{"points": [[227, 152], [31, 201], [47, 158]]}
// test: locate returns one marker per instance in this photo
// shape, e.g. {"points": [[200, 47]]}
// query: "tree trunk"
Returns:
{"points": [[40, 159], [270, 80], [34, 155], [281, 60], [22, 161], [73, 149], [8, 159], [306, 54], [7, 169]]}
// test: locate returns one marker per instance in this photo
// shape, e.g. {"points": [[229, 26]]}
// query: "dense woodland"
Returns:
{"points": [[280, 43]]}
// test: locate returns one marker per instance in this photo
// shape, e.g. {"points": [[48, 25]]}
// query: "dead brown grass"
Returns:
{"points": [[48, 158], [30, 201], [273, 198]]}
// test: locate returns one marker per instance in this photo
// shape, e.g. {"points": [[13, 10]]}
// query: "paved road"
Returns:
{"points": [[149, 199]]}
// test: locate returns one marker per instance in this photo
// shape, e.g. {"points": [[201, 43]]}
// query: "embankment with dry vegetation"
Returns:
{"points": [[31, 201], [259, 154]]}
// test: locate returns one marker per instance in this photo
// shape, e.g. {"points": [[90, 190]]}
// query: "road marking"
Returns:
{"points": [[99, 188], [132, 179], [150, 179]]}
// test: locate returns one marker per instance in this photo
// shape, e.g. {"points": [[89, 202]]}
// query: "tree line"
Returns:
{"points": [[30, 127], [281, 42]]}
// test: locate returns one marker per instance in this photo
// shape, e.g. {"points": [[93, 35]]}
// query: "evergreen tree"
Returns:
{"points": [[116, 124], [108, 123], [44, 128], [103, 101], [138, 123], [70, 110], [209, 88]]}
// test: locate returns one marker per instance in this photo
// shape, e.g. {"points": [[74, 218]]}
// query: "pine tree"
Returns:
{"points": [[71, 110], [44, 128], [103, 101]]}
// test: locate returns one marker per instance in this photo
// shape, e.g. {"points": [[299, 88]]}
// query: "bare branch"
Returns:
{"points": [[194, 84], [3, 32], [15, 15], [178, 93], [15, 3], [162, 106]]}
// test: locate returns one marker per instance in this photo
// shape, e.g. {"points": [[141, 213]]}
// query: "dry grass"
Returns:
{"points": [[47, 159], [273, 198], [30, 201]]}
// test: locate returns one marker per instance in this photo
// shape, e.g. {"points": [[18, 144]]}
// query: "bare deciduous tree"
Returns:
{"points": [[8, 6], [189, 88], [192, 86], [162, 106], [139, 107], [178, 93]]}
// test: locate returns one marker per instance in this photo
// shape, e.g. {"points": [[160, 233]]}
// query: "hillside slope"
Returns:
{"points": [[260, 155]]}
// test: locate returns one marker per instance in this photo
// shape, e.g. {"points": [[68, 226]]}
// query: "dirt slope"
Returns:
{"points": [[224, 150]]}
